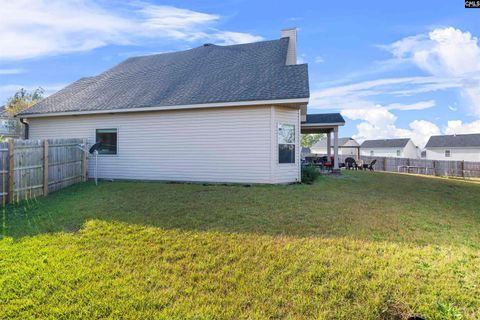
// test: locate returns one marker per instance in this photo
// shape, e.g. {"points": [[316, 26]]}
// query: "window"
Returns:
{"points": [[371, 152], [108, 138], [447, 153], [398, 153], [286, 143]]}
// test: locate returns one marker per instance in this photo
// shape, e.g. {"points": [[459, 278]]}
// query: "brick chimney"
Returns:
{"points": [[291, 34]]}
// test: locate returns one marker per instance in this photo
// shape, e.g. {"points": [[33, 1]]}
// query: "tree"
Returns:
{"points": [[308, 140], [22, 100]]}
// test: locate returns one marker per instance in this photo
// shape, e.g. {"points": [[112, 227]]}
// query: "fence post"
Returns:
{"points": [[385, 164], [45, 167], [84, 161], [11, 177], [462, 166]]}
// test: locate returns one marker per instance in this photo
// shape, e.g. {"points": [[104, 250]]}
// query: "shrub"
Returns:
{"points": [[310, 174]]}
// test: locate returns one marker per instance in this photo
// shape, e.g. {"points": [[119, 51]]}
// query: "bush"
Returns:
{"points": [[310, 174]]}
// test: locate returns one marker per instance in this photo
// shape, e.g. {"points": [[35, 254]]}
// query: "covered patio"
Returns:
{"points": [[325, 123]]}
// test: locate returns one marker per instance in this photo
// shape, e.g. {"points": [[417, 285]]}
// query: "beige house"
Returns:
{"points": [[210, 114], [346, 147]]}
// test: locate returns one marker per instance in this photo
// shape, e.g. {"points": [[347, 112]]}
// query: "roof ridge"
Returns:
{"points": [[205, 45], [456, 134]]}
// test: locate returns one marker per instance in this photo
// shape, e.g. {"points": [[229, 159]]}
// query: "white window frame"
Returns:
{"points": [[294, 143], [399, 153], [118, 139]]}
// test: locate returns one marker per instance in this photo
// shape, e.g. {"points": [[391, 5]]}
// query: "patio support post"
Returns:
{"points": [[329, 145], [335, 148]]}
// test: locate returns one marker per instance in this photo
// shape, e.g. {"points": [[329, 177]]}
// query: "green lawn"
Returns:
{"points": [[359, 246]]}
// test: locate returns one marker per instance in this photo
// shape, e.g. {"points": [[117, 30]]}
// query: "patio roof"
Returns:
{"points": [[322, 123], [325, 123]]}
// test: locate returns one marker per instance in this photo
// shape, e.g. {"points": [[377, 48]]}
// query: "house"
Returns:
{"points": [[208, 114], [305, 152], [454, 147], [347, 147], [396, 148], [9, 126]]}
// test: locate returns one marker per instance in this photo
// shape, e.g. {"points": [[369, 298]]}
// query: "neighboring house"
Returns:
{"points": [[9, 126], [396, 148], [210, 114], [454, 147], [306, 152], [346, 147]]}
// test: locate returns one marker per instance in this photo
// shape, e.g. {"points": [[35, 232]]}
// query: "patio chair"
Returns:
{"points": [[350, 163], [360, 164], [372, 165], [329, 164]]}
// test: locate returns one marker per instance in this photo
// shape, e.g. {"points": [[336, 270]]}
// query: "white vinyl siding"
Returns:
{"points": [[456, 154], [409, 151], [203, 145]]}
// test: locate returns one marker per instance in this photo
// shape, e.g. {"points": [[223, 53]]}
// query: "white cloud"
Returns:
{"points": [[319, 59], [10, 71], [362, 95], [301, 58], [421, 131], [451, 58], [452, 108], [176, 22], [445, 52], [379, 123], [414, 106], [458, 127], [228, 38], [33, 28]]}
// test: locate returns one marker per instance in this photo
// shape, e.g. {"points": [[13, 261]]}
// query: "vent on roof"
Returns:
{"points": [[207, 44]]}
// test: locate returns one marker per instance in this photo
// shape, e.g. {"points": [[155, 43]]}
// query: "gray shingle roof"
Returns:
{"points": [[207, 74], [306, 151], [454, 141], [323, 143], [385, 143], [324, 118]]}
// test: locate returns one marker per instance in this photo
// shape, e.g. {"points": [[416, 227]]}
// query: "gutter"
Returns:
{"points": [[27, 127], [313, 124]]}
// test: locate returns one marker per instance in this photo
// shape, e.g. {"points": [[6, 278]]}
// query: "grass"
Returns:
{"points": [[360, 246]]}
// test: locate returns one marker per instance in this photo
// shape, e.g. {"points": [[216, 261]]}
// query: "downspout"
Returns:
{"points": [[22, 120]]}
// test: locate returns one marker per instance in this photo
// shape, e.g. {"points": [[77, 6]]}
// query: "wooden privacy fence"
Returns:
{"points": [[30, 168], [465, 169]]}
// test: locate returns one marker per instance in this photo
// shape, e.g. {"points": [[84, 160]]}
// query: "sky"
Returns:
{"points": [[393, 69]]}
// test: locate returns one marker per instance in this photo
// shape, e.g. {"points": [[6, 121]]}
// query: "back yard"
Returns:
{"points": [[359, 246]]}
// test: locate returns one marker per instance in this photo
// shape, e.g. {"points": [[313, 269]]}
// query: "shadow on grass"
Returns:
{"points": [[358, 205]]}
